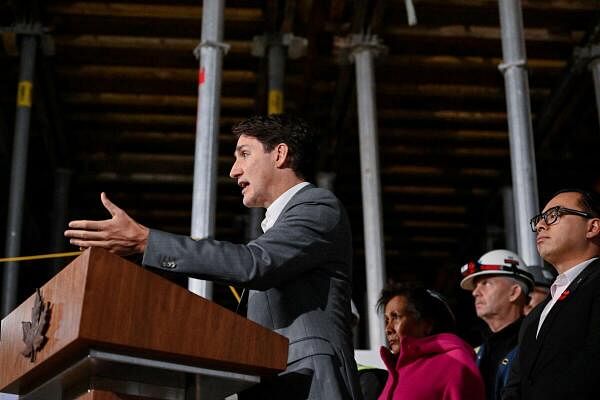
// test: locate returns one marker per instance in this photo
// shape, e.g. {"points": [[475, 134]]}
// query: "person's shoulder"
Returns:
{"points": [[591, 275], [452, 341], [312, 192], [595, 265]]}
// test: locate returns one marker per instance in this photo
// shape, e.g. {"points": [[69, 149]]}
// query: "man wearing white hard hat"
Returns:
{"points": [[500, 283]]}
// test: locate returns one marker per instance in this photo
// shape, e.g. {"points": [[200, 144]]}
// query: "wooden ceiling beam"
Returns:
{"points": [[434, 151], [482, 32], [128, 119], [156, 11], [430, 209], [142, 159], [454, 135], [137, 73], [433, 190], [159, 138], [141, 43], [433, 224], [449, 61], [415, 90], [145, 178], [560, 14], [442, 115], [431, 171], [554, 5], [151, 101]]}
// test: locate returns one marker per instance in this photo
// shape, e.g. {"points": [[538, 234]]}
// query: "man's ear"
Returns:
{"points": [[593, 229], [515, 292], [280, 155]]}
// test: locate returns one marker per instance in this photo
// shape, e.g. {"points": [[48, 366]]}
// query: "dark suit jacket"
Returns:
{"points": [[300, 270], [564, 361]]}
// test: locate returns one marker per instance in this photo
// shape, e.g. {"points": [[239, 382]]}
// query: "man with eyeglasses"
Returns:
{"points": [[559, 341]]}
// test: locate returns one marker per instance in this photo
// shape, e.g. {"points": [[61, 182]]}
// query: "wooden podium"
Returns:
{"points": [[118, 331]]}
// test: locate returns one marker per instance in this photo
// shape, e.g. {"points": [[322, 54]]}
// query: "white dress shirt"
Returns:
{"points": [[561, 282], [278, 205]]}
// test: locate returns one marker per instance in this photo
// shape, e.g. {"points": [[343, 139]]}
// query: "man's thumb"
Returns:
{"points": [[109, 205]]}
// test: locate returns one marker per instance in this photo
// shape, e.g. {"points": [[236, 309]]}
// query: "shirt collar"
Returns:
{"points": [[566, 278], [278, 205]]}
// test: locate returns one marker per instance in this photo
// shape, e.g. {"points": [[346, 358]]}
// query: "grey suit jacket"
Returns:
{"points": [[300, 271]]}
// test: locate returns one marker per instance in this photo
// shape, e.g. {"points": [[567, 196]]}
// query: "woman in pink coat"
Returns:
{"points": [[424, 360]]}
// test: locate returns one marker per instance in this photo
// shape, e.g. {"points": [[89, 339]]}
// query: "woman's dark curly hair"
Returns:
{"points": [[425, 304]]}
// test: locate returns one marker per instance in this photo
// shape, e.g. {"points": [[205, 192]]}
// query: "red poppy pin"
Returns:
{"points": [[564, 295]]}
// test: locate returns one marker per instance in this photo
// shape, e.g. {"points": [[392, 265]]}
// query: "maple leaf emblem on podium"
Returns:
{"points": [[33, 332]]}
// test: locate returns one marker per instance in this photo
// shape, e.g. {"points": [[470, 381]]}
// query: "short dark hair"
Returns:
{"points": [[294, 131], [425, 304], [589, 200]]}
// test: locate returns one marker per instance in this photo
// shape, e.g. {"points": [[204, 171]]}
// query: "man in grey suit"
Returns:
{"points": [[299, 270]]}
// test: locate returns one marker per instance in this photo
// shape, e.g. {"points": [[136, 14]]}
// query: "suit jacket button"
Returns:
{"points": [[168, 264]]}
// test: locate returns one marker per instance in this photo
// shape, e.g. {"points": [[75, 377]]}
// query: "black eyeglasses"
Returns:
{"points": [[551, 216]]}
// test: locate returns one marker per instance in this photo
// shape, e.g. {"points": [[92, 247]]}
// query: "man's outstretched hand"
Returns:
{"points": [[120, 234]]}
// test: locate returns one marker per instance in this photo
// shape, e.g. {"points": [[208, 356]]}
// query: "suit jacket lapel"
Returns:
{"points": [[529, 344], [564, 299]]}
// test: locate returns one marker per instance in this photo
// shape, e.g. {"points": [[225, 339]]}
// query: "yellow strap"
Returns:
{"points": [[40, 256], [235, 294]]}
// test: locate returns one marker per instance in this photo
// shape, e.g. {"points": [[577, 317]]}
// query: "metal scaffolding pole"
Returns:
{"points": [[364, 52], [276, 58], [510, 235], [210, 52], [524, 178], [18, 171], [276, 47], [595, 67], [276, 53]]}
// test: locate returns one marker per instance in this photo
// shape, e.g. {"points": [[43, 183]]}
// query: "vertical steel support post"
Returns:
{"points": [[371, 188], [595, 67], [276, 53], [18, 175], [210, 52], [508, 208], [524, 178]]}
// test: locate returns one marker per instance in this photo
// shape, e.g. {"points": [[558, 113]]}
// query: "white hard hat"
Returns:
{"points": [[496, 262]]}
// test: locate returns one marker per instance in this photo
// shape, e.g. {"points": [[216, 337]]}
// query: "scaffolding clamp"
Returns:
{"points": [[224, 47], [12, 34], [296, 45], [346, 47], [587, 54], [503, 67]]}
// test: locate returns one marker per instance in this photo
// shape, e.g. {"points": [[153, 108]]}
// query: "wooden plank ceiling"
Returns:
{"points": [[118, 108]]}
